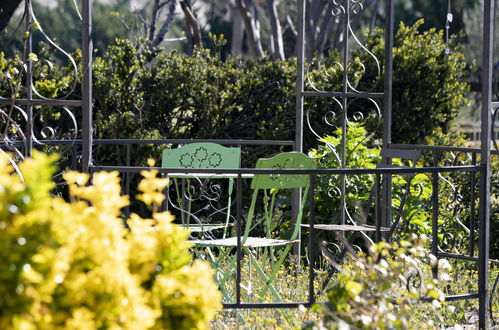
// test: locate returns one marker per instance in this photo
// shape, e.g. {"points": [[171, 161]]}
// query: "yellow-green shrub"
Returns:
{"points": [[72, 265], [383, 289]]}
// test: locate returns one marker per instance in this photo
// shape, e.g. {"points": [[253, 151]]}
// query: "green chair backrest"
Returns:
{"points": [[285, 160], [263, 182], [202, 155]]}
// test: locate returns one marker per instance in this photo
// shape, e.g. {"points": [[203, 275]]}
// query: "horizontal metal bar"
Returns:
{"points": [[230, 142], [40, 143], [466, 296], [463, 257], [341, 94], [456, 256], [328, 171], [185, 141], [408, 154], [41, 102], [495, 104], [436, 148], [153, 141], [267, 305]]}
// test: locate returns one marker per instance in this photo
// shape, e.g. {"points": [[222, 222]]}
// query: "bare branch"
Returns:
{"points": [[154, 20], [249, 14], [166, 25], [192, 24], [276, 36], [291, 25]]}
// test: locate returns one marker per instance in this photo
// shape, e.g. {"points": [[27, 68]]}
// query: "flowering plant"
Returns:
{"points": [[72, 264]]}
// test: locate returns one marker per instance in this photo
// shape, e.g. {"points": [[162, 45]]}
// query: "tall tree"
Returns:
{"points": [[276, 42], [192, 23], [250, 15]]}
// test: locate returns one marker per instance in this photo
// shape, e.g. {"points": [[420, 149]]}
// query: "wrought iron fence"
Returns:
{"points": [[29, 119]]}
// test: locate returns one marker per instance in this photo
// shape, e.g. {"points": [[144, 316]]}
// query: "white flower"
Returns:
{"points": [[444, 264], [366, 319]]}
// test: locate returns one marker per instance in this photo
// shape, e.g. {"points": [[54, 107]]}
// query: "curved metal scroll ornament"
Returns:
{"points": [[38, 27], [349, 10], [495, 87], [356, 69], [409, 202], [454, 205], [55, 122], [491, 299], [327, 72], [494, 138], [199, 202]]}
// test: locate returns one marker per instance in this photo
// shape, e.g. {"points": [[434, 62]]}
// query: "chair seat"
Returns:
{"points": [[205, 228], [251, 242], [366, 228]]}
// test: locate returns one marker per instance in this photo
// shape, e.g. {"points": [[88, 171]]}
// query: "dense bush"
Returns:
{"points": [[72, 265], [140, 94], [174, 95], [144, 93], [428, 87]]}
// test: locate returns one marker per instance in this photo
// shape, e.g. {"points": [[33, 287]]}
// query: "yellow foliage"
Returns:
{"points": [[73, 265]]}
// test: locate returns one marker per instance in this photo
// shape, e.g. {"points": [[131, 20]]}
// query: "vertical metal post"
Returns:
{"points": [[128, 151], [435, 202], [239, 256], [484, 206], [472, 207], [344, 115], [311, 239], [28, 49], [377, 209], [74, 157], [300, 67], [387, 110], [86, 88]]}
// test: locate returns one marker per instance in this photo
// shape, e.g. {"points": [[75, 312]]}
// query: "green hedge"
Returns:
{"points": [[144, 93]]}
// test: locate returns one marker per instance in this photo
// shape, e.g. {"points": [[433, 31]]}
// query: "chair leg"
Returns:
{"points": [[227, 274], [276, 269], [229, 202], [268, 280]]}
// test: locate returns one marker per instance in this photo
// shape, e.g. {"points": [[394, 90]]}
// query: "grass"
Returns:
{"points": [[292, 284]]}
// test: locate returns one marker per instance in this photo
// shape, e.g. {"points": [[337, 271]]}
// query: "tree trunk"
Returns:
{"points": [[310, 32], [7, 9], [154, 20], [249, 13], [236, 48], [276, 37], [326, 28], [194, 32]]}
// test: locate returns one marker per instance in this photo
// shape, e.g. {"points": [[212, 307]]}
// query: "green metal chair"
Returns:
{"points": [[266, 185], [201, 156]]}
